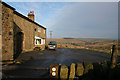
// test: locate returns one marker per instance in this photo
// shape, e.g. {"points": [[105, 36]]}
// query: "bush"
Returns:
{"points": [[37, 49]]}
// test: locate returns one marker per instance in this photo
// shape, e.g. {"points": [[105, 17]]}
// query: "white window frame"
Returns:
{"points": [[42, 40], [44, 31], [38, 42], [36, 38], [39, 30]]}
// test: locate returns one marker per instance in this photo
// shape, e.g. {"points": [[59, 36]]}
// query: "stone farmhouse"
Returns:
{"points": [[19, 33]]}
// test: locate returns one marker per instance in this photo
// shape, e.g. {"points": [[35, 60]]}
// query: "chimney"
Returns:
{"points": [[31, 15]]}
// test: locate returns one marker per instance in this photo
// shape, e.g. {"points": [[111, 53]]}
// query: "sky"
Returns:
{"points": [[74, 19], [61, 0]]}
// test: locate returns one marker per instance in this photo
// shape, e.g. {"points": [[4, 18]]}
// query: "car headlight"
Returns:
{"points": [[53, 74], [53, 69]]}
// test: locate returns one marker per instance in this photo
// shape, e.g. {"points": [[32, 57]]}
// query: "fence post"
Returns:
{"points": [[64, 72], [72, 71], [80, 69], [113, 56]]}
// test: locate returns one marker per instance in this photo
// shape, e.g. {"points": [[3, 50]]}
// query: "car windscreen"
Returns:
{"points": [[51, 44]]}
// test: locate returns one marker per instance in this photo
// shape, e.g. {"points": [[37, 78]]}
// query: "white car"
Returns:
{"points": [[52, 45]]}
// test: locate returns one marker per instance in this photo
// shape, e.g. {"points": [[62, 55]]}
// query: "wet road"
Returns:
{"points": [[47, 57]]}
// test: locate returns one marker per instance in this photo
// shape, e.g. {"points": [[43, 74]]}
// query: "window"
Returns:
{"points": [[39, 30], [43, 41], [44, 31], [35, 29], [38, 41]]}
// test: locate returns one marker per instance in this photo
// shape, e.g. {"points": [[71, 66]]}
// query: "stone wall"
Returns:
{"points": [[0, 42], [27, 29], [41, 34], [85, 71], [7, 33]]}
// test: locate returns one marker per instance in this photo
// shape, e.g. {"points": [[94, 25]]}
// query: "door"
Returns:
{"points": [[18, 44]]}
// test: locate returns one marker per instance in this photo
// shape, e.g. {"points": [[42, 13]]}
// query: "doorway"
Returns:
{"points": [[18, 44]]}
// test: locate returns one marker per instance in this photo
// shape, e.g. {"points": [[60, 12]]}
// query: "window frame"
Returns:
{"points": [[42, 40], [39, 30]]}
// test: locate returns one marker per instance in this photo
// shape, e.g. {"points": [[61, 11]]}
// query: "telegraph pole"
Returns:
{"points": [[51, 34]]}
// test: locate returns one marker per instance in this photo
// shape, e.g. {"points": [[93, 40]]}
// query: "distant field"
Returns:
{"points": [[102, 45]]}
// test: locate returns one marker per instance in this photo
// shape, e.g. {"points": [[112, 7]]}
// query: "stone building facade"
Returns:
{"points": [[20, 33]]}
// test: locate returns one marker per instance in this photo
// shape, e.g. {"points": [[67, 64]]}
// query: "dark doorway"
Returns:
{"points": [[18, 44]]}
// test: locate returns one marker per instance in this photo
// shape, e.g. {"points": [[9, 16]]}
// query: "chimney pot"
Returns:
{"points": [[31, 15]]}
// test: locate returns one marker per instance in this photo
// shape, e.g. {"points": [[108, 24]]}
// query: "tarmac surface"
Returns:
{"points": [[37, 63]]}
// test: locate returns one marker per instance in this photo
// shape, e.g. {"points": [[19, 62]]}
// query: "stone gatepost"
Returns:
{"points": [[114, 56], [72, 71], [64, 72], [80, 69]]}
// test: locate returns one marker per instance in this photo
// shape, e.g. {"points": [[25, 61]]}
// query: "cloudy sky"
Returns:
{"points": [[74, 19]]}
